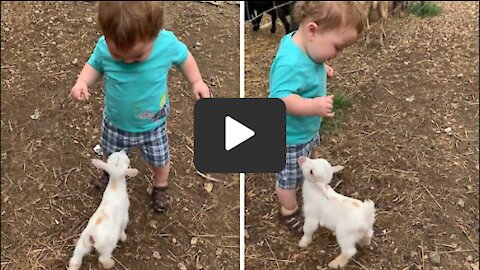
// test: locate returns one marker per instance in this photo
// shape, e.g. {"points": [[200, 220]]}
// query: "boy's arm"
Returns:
{"points": [[297, 105], [87, 78], [191, 72], [89, 75], [284, 84]]}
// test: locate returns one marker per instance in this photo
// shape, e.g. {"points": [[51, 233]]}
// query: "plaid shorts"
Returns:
{"points": [[291, 176], [153, 144]]}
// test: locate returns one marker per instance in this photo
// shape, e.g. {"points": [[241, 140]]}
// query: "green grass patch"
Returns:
{"points": [[340, 104], [428, 9]]}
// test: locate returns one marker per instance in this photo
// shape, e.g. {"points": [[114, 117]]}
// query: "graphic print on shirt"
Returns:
{"points": [[164, 107]]}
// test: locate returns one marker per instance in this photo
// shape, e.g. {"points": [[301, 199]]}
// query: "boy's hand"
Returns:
{"points": [[323, 106], [329, 71], [80, 91], [200, 90]]}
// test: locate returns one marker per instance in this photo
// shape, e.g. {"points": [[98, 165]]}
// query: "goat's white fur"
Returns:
{"points": [[108, 223], [350, 219]]}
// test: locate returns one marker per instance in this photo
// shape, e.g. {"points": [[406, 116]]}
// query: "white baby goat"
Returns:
{"points": [[108, 223], [350, 219]]}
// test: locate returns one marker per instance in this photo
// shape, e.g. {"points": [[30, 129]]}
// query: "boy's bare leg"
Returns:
{"points": [[160, 177], [288, 201]]}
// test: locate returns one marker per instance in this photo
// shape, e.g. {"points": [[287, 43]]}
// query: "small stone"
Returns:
{"points": [[153, 224], [6, 199], [75, 61], [469, 258], [149, 190], [448, 130], [89, 19], [461, 203], [208, 187], [182, 266], [434, 258], [219, 251], [156, 255], [194, 241], [36, 114], [174, 241]]}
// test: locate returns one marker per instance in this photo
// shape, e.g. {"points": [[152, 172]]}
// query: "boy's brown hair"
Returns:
{"points": [[330, 15], [125, 23]]}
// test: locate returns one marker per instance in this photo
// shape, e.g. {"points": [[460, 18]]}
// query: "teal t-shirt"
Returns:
{"points": [[136, 94], [294, 72]]}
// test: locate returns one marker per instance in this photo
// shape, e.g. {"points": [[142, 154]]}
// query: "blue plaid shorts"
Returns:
{"points": [[291, 176], [153, 144]]}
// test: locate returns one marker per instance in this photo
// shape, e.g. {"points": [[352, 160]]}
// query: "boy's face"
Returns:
{"points": [[138, 53], [326, 44]]}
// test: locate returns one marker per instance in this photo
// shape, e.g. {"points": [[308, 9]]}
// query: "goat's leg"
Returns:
{"points": [[256, 23], [274, 21], [81, 249], [347, 246], [123, 234], [383, 10], [309, 227], [282, 14], [365, 241], [367, 33], [105, 258], [383, 35]]}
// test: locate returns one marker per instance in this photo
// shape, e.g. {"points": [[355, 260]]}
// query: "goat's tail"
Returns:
{"points": [[369, 211]]}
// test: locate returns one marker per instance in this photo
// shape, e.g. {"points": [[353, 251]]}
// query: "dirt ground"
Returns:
{"points": [[424, 182], [47, 180]]}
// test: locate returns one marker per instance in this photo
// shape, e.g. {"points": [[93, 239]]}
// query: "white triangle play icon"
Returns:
{"points": [[235, 133]]}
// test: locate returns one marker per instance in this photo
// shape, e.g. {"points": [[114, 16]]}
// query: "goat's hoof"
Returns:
{"points": [[304, 242], [72, 266], [123, 237], [108, 264], [338, 263]]}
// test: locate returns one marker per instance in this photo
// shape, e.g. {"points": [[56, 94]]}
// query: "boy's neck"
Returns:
{"points": [[299, 39]]}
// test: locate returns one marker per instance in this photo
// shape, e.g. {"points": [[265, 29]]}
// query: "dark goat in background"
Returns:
{"points": [[256, 8]]}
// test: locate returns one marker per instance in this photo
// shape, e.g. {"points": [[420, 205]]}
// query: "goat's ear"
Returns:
{"points": [[301, 160], [131, 172], [100, 164], [337, 168]]}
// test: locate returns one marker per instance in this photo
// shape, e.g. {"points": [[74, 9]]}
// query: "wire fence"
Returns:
{"points": [[275, 7]]}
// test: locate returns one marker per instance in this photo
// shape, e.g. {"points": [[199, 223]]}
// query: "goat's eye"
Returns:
{"points": [[311, 172]]}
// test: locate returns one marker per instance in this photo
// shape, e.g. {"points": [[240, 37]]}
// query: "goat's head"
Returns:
{"points": [[318, 170], [117, 165]]}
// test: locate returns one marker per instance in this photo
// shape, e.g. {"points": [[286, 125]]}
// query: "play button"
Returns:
{"points": [[235, 133]]}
